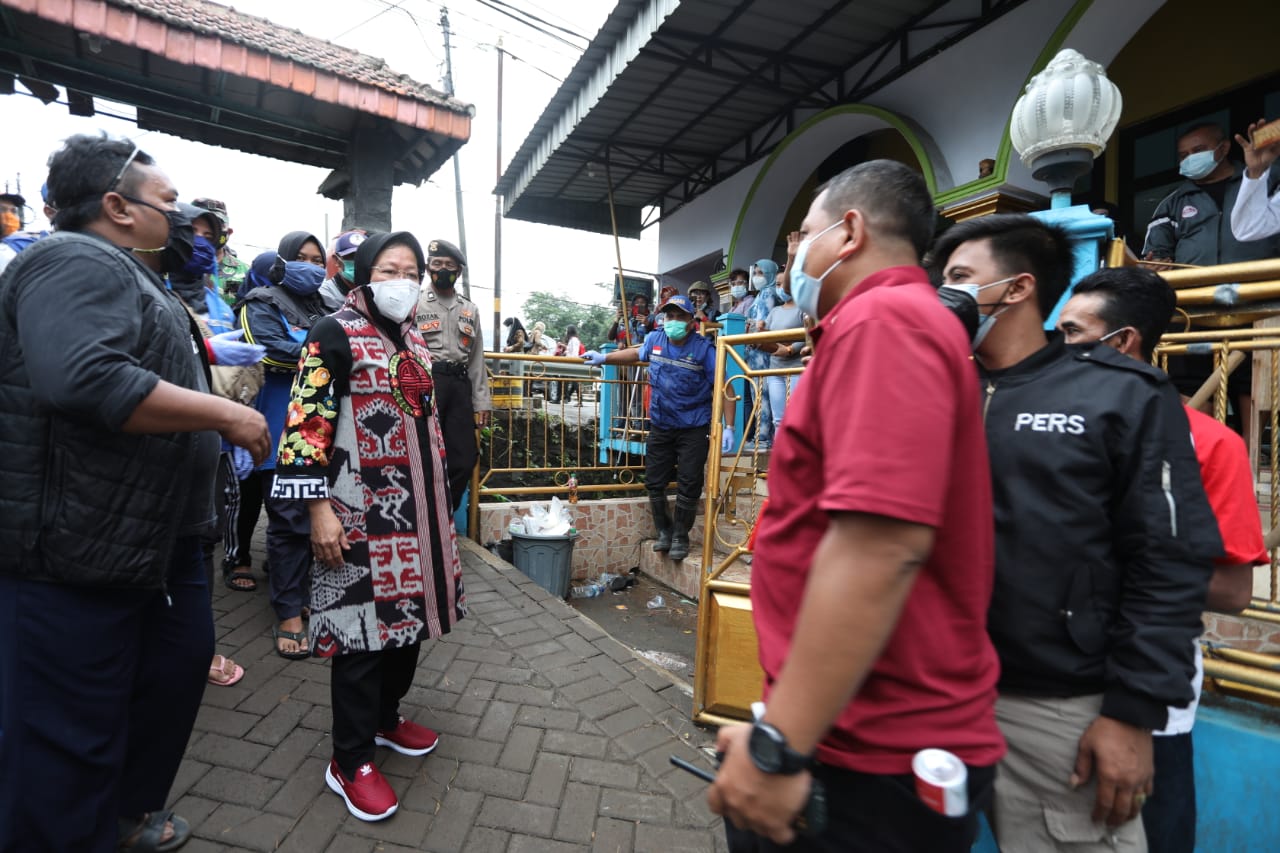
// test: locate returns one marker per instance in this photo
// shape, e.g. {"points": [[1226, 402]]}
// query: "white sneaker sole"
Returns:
{"points": [[336, 787], [403, 750]]}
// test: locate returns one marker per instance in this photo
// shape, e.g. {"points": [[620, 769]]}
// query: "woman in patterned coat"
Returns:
{"points": [[362, 447]]}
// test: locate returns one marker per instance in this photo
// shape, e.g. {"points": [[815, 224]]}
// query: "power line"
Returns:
{"points": [[534, 17], [490, 5], [372, 17]]}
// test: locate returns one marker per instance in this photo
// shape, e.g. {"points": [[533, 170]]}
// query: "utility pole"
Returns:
{"points": [[457, 166], [497, 221]]}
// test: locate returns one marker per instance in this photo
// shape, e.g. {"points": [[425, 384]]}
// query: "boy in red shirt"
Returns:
{"points": [[873, 566]]}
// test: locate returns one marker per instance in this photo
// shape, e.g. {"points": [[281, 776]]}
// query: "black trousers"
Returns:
{"points": [[1169, 816], [288, 552], [366, 689], [242, 519], [869, 813], [99, 689], [681, 453], [458, 425]]}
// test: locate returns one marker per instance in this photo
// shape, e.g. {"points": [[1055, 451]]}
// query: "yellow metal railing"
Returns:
{"points": [[727, 675]]}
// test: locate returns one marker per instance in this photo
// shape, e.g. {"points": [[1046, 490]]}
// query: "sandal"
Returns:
{"points": [[239, 579], [219, 668], [147, 836], [298, 637]]}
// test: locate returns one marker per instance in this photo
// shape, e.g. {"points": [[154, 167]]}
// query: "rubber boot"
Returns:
{"points": [[685, 518], [662, 521]]}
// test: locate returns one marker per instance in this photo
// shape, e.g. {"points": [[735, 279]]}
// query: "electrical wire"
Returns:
{"points": [[490, 5], [534, 17], [372, 17]]}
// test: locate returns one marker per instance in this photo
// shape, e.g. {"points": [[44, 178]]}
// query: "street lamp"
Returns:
{"points": [[1063, 120]]}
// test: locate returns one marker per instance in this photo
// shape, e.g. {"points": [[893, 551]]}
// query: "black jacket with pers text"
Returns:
{"points": [[1105, 540]]}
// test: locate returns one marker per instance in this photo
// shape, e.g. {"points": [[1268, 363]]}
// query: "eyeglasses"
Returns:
{"points": [[391, 273], [737, 281], [443, 264], [120, 174]]}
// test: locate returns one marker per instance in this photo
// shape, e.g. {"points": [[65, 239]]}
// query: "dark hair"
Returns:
{"points": [[571, 331], [83, 170], [1019, 243], [739, 271], [516, 327], [1218, 133], [894, 198], [1133, 296]]}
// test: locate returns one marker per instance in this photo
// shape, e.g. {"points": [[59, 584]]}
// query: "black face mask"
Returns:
{"points": [[444, 279], [964, 306], [181, 242]]}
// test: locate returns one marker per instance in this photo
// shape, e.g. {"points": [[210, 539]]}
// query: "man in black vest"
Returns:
{"points": [[108, 447]]}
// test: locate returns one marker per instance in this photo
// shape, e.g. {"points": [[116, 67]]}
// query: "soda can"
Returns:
{"points": [[941, 782]]}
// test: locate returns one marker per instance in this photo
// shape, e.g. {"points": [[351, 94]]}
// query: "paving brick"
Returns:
{"points": [[317, 826], [576, 820], [492, 780], [660, 839], [406, 827], [615, 650], [646, 697], [236, 753], [630, 805], [574, 743], [693, 812], [587, 629], [343, 843], [678, 699], [561, 676], [546, 784], [495, 656], [552, 624], [455, 678], [556, 659], [612, 836], [503, 674], [190, 771], [585, 689], [471, 707], [525, 694], [516, 816], [244, 827], [514, 626], [521, 749], [469, 749], [606, 667], [224, 721], [449, 829], [643, 739], [486, 839], [605, 704], [658, 761], [594, 771], [299, 791], [497, 720], [235, 786], [548, 718], [530, 844], [580, 645], [262, 699], [531, 648], [195, 810], [283, 761], [276, 725], [624, 721]]}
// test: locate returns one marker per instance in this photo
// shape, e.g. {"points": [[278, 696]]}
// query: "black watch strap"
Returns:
{"points": [[771, 753]]}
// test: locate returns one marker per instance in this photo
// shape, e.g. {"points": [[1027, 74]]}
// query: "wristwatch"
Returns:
{"points": [[770, 753]]}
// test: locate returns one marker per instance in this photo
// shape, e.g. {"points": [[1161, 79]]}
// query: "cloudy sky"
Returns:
{"points": [[267, 198]]}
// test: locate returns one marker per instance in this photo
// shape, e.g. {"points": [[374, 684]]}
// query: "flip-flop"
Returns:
{"points": [[236, 674], [146, 835], [239, 580], [297, 636]]}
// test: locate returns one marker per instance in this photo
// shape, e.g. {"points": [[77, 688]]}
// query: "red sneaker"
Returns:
{"points": [[408, 738], [368, 796]]}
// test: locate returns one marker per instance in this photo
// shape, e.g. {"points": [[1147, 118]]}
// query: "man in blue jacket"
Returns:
{"points": [[682, 373]]}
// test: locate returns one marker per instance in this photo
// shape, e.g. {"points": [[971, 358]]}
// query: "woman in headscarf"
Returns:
{"points": [[362, 449], [764, 274], [277, 312]]}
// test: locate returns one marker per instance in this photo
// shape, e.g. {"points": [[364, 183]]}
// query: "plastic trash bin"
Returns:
{"points": [[547, 560]]}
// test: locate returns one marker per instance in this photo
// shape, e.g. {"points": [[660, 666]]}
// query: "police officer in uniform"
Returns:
{"points": [[450, 324]]}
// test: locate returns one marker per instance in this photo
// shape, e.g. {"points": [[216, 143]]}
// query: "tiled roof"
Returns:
{"points": [[210, 35]]}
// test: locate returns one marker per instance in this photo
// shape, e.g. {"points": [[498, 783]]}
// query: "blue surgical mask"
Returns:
{"points": [[204, 258], [738, 291], [985, 322], [805, 289], [677, 330], [302, 278], [783, 296], [1196, 166]]}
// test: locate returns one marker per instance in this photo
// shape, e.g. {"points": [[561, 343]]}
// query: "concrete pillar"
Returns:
{"points": [[367, 203]]}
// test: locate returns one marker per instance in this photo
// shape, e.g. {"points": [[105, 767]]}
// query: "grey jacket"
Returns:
{"points": [[1189, 228], [86, 333]]}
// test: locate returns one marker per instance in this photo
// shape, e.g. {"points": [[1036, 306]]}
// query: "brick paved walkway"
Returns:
{"points": [[554, 737]]}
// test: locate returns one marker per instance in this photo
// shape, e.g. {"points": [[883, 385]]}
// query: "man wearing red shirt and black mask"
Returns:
{"points": [[873, 565]]}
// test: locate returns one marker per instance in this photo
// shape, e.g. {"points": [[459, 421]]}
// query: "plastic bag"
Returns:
{"points": [[550, 520]]}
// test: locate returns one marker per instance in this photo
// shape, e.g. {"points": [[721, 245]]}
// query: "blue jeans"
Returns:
{"points": [[99, 689], [779, 388]]}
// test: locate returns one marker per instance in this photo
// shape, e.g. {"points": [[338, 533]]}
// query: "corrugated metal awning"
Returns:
{"points": [[676, 95]]}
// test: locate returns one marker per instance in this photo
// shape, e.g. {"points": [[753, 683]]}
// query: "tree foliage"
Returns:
{"points": [[557, 311]]}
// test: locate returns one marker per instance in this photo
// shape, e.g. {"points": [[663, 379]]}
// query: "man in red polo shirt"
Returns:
{"points": [[873, 566]]}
